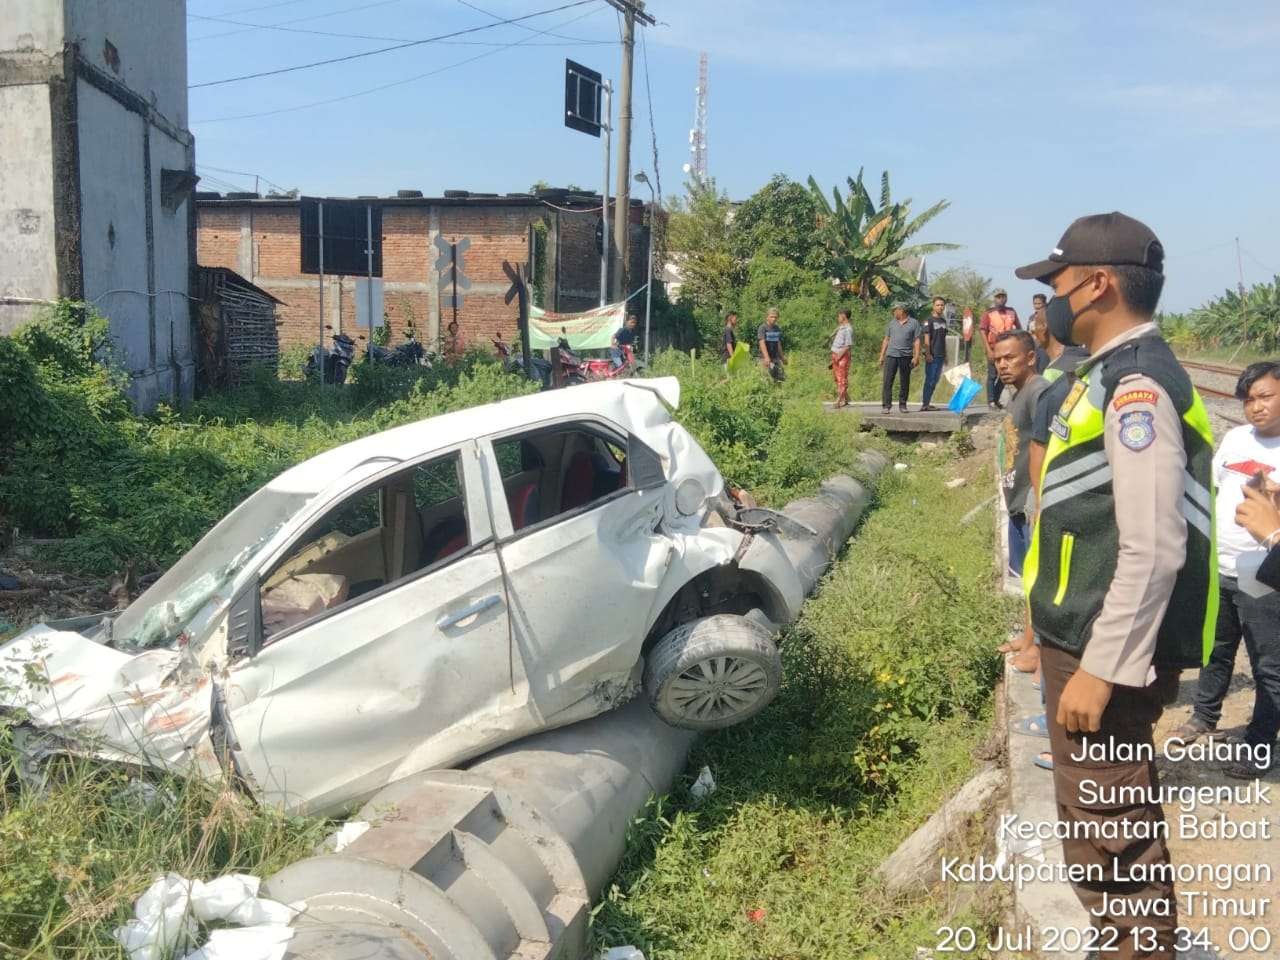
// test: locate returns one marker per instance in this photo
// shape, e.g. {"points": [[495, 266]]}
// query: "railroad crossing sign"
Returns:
{"points": [[449, 266], [519, 290]]}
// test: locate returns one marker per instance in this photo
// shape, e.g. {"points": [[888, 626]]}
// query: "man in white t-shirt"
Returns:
{"points": [[1249, 454]]}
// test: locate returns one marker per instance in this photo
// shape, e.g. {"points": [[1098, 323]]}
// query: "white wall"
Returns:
{"points": [[28, 266], [113, 204], [151, 39], [31, 25], [174, 361]]}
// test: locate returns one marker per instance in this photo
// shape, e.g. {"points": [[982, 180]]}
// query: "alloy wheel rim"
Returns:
{"points": [[717, 688]]}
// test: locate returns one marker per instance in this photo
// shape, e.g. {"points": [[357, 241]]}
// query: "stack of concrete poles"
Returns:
{"points": [[501, 861]]}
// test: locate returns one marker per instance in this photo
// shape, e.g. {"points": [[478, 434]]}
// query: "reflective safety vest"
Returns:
{"points": [[1074, 547]]}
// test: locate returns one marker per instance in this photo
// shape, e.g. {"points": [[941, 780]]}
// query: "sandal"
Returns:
{"points": [[1033, 726], [1044, 761]]}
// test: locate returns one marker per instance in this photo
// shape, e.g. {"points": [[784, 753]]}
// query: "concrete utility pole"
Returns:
{"points": [[631, 11]]}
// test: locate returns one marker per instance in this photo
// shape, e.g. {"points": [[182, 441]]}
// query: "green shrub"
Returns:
{"points": [[120, 489]]}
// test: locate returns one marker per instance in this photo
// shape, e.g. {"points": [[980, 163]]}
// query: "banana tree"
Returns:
{"points": [[869, 244]]}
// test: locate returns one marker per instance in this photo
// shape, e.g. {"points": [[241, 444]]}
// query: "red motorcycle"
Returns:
{"points": [[605, 370]]}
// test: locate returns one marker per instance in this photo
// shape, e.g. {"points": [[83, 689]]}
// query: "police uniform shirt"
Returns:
{"points": [[1144, 448]]}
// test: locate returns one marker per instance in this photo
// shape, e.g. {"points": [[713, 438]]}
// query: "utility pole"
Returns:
{"points": [[607, 92], [631, 11], [1244, 310]]}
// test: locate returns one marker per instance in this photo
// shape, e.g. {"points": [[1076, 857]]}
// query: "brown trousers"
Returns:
{"points": [[1129, 719]]}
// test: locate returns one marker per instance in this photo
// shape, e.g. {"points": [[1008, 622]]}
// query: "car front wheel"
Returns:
{"points": [[712, 673]]}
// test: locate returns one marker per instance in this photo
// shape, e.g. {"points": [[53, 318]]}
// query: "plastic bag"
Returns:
{"points": [[741, 358]]}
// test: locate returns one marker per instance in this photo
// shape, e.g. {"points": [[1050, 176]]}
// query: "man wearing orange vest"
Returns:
{"points": [[1001, 318]]}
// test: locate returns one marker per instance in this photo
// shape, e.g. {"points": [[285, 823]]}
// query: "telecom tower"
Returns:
{"points": [[698, 135]]}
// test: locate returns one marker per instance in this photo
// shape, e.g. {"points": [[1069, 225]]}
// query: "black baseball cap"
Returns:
{"points": [[1102, 239]]}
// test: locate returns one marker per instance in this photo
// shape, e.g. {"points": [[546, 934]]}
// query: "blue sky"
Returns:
{"points": [[1024, 115]]}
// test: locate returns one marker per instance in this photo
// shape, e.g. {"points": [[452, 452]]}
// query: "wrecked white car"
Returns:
{"points": [[416, 598]]}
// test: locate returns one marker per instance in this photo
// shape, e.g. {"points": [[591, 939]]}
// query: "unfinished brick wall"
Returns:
{"points": [[410, 288]]}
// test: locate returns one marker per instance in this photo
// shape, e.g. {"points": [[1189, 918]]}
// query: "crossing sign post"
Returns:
{"points": [[449, 267], [519, 289]]}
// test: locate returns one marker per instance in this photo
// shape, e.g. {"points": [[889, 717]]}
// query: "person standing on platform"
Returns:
{"points": [[1015, 359], [841, 353], [1121, 574], [1000, 318], [899, 355], [966, 334], [935, 351]]}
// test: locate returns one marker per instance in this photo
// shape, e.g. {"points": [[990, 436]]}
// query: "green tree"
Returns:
{"points": [[964, 287], [1233, 319], [698, 239], [779, 220], [869, 245]]}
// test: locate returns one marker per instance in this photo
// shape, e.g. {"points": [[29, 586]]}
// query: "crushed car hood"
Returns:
{"points": [[106, 703]]}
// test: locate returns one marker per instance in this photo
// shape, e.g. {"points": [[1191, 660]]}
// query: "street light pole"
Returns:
{"points": [[648, 285]]}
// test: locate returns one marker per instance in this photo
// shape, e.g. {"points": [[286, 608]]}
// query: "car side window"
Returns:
{"points": [[548, 473], [375, 537]]}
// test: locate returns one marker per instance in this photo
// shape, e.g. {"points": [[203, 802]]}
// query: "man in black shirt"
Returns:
{"points": [[729, 342], [935, 351], [626, 337]]}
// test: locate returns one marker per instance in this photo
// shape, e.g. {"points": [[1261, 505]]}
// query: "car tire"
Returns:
{"points": [[712, 673]]}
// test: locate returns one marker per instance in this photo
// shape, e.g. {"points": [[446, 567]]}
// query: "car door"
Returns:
{"points": [[411, 672], [585, 567]]}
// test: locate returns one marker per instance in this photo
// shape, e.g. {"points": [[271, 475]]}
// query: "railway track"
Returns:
{"points": [[1194, 367]]}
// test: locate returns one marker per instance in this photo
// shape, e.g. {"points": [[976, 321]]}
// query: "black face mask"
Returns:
{"points": [[1058, 315]]}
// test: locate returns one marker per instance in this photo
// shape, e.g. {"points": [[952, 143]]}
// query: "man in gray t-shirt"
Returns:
{"points": [[1014, 357], [899, 355]]}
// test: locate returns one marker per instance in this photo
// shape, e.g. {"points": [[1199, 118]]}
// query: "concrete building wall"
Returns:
{"points": [[113, 226], [31, 25], [94, 95], [175, 360], [28, 265], [149, 38]]}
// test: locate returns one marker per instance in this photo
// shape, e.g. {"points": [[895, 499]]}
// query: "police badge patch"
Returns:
{"points": [[1137, 429]]}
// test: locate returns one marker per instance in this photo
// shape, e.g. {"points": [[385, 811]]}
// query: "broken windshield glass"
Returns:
{"points": [[158, 614]]}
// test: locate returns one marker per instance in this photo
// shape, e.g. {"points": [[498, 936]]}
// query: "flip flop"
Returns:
{"points": [[1042, 763], [1033, 726]]}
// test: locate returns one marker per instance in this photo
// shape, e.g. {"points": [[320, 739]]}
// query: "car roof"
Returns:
{"points": [[625, 402]]}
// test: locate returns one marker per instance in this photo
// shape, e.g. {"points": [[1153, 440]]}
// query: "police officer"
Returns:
{"points": [[1120, 573]]}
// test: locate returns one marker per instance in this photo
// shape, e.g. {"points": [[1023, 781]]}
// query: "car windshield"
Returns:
{"points": [[189, 583]]}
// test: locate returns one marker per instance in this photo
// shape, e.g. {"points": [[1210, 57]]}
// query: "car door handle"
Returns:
{"points": [[466, 613]]}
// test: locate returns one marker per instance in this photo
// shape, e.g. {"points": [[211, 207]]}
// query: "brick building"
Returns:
{"points": [[263, 240]]}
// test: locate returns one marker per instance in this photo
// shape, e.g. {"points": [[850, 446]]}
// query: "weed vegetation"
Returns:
{"points": [[888, 679]]}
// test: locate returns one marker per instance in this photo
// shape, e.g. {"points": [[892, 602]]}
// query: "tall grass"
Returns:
{"points": [[76, 853]]}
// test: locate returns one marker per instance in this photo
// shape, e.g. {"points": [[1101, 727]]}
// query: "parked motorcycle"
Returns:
{"points": [[514, 363], [603, 369], [335, 362], [408, 354]]}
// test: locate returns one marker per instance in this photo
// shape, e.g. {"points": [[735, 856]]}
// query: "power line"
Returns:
{"points": [[497, 16], [368, 36], [398, 46], [394, 83], [311, 16], [1261, 264], [241, 173], [269, 6]]}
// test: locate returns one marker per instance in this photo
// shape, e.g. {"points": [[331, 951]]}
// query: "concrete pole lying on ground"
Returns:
{"points": [[501, 861]]}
